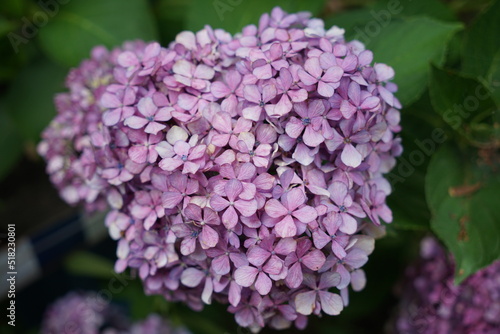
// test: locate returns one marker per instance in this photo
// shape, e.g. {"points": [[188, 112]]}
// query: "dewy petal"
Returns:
{"points": [[331, 303], [305, 302], [245, 276]]}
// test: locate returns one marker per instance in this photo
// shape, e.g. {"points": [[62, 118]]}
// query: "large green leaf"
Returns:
{"points": [[463, 197], [409, 46], [171, 16], [458, 99], [481, 42], [80, 25], [232, 15], [407, 8], [90, 265], [30, 98]]}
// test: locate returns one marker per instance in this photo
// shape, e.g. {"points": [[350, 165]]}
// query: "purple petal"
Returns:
{"points": [[209, 237], [331, 303], [350, 156], [275, 209], [263, 284], [314, 259], [286, 227], [191, 277], [257, 256], [245, 276], [294, 277]]}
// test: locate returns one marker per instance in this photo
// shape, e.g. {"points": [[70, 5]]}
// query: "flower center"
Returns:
{"points": [[306, 121], [342, 208], [184, 157]]}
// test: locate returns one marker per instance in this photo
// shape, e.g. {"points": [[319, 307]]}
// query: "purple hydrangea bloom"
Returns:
{"points": [[432, 304], [247, 169]]}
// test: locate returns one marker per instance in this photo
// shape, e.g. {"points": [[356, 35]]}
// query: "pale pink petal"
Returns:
{"points": [[294, 277], [245, 276], [314, 259], [191, 277], [286, 227], [263, 284], [209, 237], [230, 217], [275, 209], [350, 156], [136, 122], [305, 302], [331, 303], [305, 214]]}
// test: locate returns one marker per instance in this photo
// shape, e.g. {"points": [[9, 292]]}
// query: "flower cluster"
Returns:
{"points": [[247, 169], [87, 313], [431, 303]]}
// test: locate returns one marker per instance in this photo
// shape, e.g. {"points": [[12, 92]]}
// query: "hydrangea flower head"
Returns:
{"points": [[88, 313], [431, 303], [246, 169]]}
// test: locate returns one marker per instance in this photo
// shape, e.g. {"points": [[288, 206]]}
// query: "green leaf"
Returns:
{"points": [[420, 140], [407, 8], [80, 25], [88, 264], [10, 143], [481, 42], [352, 21], [30, 98], [171, 16], [458, 98], [409, 47], [468, 221], [232, 15]]}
